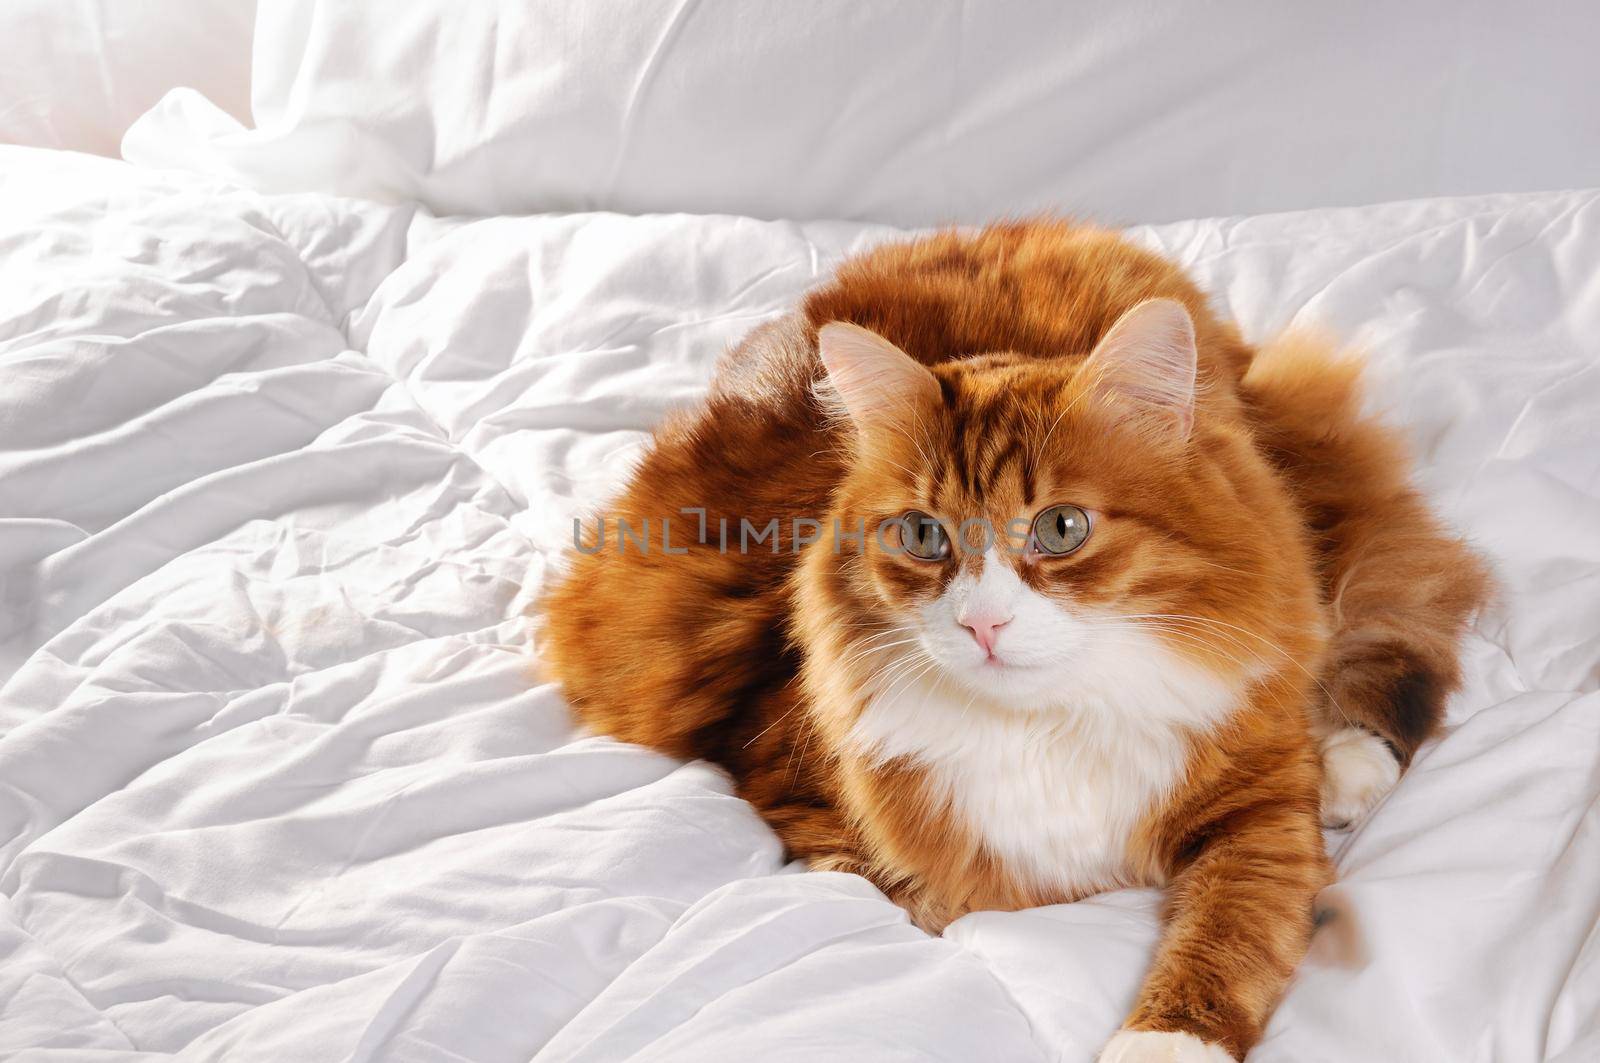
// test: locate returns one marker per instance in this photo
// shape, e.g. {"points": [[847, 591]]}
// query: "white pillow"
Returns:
{"points": [[910, 111], [75, 73]]}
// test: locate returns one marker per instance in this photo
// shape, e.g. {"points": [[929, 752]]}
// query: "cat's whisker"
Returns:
{"points": [[911, 671], [797, 766], [888, 672], [867, 651], [1076, 399], [915, 477], [1174, 630], [871, 642], [1189, 639], [881, 633], [860, 647], [1194, 639], [787, 713], [1215, 624], [910, 678], [965, 709]]}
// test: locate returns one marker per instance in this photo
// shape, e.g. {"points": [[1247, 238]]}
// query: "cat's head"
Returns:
{"points": [[1044, 531]]}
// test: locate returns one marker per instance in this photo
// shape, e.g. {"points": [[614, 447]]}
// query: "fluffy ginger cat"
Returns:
{"points": [[1003, 573]]}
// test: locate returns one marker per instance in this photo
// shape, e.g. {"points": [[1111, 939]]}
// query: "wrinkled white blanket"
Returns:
{"points": [[280, 476]]}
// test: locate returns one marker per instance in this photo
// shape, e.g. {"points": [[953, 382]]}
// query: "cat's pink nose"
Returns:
{"points": [[986, 629]]}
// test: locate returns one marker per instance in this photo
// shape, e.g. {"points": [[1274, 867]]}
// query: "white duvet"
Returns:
{"points": [[279, 477]]}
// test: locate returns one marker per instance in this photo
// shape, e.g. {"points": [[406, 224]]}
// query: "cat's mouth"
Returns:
{"points": [[966, 660], [1000, 676]]}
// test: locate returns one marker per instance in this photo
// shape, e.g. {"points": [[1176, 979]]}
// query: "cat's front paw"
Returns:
{"points": [[1358, 768], [1151, 1046]]}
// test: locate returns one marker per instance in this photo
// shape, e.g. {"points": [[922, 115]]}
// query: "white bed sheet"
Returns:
{"points": [[279, 477]]}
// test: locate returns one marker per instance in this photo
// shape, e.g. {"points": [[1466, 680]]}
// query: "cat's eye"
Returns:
{"points": [[923, 537], [1060, 530]]}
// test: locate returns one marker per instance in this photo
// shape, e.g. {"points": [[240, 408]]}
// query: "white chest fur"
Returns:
{"points": [[1055, 793]]}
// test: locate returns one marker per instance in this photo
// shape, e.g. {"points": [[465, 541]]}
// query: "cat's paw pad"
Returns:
{"points": [[1358, 768], [1151, 1046]]}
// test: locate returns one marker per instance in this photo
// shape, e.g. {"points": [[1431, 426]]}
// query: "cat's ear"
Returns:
{"points": [[875, 382], [1148, 359]]}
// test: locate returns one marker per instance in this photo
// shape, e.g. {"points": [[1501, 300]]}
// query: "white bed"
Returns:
{"points": [[281, 473]]}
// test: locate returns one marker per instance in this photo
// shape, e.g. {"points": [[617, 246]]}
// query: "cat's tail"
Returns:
{"points": [[1400, 588]]}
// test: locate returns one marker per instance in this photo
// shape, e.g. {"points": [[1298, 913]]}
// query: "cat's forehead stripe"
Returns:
{"points": [[981, 431], [1008, 451], [987, 436]]}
